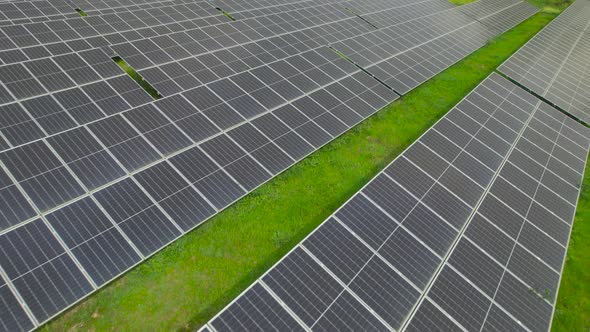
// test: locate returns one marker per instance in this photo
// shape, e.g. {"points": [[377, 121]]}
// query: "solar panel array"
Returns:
{"points": [[96, 175], [21, 12], [462, 31], [171, 62], [555, 63], [465, 231]]}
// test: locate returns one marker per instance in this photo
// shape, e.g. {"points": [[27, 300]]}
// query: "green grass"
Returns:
{"points": [[137, 78], [183, 286], [81, 12], [572, 312]]}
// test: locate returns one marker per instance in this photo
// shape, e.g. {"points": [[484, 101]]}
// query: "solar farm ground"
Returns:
{"points": [[184, 285], [573, 304]]}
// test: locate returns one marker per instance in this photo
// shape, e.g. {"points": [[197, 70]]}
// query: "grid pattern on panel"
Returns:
{"points": [[390, 40], [505, 269], [381, 19], [13, 316], [119, 93], [401, 251], [104, 177], [154, 12], [554, 64], [167, 62], [405, 60], [241, 7], [410, 69], [140, 214], [42, 39]]}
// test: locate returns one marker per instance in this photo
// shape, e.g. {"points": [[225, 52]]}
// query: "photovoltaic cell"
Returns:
{"points": [[253, 311]]}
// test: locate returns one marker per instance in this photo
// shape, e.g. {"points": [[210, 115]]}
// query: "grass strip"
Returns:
{"points": [[226, 14], [184, 285], [137, 78]]}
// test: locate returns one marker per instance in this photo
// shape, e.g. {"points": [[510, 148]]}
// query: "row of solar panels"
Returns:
{"points": [[400, 72], [23, 41], [20, 12], [555, 63], [86, 86], [171, 19], [82, 206], [465, 231]]}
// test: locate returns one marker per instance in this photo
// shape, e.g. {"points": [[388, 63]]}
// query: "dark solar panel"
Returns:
{"points": [[554, 63]]}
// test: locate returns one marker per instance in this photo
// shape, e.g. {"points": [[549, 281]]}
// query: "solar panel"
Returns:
{"points": [[21, 12], [109, 100], [104, 176], [13, 315], [460, 231], [554, 63], [404, 57]]}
